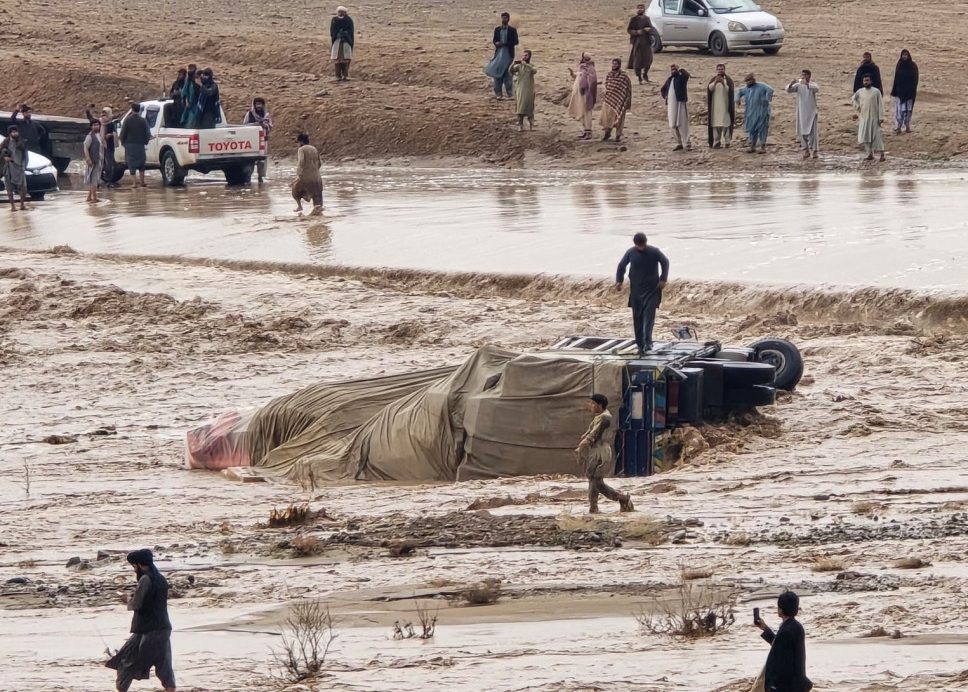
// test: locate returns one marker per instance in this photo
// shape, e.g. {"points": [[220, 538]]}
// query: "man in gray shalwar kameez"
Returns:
{"points": [[808, 131], [869, 102], [13, 166]]}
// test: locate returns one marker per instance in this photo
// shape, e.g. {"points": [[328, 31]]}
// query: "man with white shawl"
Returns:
{"points": [[808, 132], [584, 95]]}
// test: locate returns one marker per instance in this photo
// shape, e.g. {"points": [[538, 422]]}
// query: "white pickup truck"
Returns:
{"points": [[232, 149]]}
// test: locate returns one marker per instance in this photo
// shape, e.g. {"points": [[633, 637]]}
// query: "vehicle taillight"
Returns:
{"points": [[262, 141], [193, 144]]}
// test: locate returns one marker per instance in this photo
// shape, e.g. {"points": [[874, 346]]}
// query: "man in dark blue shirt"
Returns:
{"points": [[645, 286], [786, 666]]}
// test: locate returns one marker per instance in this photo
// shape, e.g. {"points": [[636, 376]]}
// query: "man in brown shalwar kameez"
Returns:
{"points": [[640, 36], [309, 183]]}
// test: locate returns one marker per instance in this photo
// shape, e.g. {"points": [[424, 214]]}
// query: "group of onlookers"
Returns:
{"points": [[722, 97]]}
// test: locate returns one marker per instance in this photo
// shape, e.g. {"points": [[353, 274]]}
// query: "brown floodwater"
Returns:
{"points": [[891, 229]]}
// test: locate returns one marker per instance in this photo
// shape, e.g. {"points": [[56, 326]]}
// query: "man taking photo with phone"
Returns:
{"points": [[786, 665]]}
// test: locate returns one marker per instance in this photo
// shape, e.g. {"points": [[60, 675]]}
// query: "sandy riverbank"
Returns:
{"points": [[862, 466]]}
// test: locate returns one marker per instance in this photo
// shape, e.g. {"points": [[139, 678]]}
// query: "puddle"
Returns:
{"points": [[889, 229]]}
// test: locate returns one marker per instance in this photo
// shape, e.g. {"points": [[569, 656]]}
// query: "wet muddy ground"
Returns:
{"points": [[853, 491], [888, 230]]}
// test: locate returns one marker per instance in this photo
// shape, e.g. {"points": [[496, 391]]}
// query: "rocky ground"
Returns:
{"points": [[419, 91], [852, 490]]}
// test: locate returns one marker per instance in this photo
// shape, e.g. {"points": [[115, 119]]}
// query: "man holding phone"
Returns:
{"points": [[786, 664]]}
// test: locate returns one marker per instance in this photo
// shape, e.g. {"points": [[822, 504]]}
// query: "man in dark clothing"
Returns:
{"points": [[189, 98], [786, 665], [134, 137], [342, 33], [867, 67], [150, 642], [174, 110], [209, 103], [640, 37], [645, 286], [505, 39], [33, 133]]}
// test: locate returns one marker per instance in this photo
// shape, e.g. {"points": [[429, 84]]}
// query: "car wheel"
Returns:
{"points": [[172, 173], [737, 375], [785, 357], [746, 397], [37, 196], [656, 41], [771, 51], [61, 163], [718, 45], [236, 175]]}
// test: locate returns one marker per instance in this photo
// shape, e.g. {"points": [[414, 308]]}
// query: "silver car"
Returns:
{"points": [[719, 26]]}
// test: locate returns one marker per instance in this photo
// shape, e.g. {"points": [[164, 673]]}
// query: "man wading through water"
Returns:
{"points": [[597, 456], [645, 286], [150, 641]]}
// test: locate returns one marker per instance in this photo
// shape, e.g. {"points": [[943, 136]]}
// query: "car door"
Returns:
{"points": [[152, 115], [695, 21], [672, 29]]}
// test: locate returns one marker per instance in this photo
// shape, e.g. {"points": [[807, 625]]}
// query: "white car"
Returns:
{"points": [[41, 177], [719, 26]]}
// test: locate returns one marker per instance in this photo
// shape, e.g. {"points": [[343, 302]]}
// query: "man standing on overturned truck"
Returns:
{"points": [[597, 455], [645, 286]]}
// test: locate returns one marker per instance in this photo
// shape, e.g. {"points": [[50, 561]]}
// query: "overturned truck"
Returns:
{"points": [[499, 414]]}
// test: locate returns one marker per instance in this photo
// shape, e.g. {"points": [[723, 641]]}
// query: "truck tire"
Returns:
{"points": [[656, 41], [60, 163], [237, 175], [171, 172], [737, 375], [771, 51], [746, 397], [785, 357], [718, 45], [37, 196]]}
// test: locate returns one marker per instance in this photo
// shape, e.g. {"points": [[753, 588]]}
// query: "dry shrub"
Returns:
{"points": [[828, 564], [483, 593], [306, 639], [634, 528], [427, 620], [879, 631], [290, 516], [305, 546], [911, 563], [27, 564], [699, 610], [694, 573], [740, 538], [865, 508]]}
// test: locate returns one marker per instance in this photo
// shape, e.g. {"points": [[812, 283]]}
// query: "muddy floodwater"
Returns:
{"points": [[891, 229]]}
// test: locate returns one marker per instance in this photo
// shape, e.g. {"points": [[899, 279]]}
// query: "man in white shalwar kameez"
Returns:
{"points": [[674, 91], [869, 102], [808, 132]]}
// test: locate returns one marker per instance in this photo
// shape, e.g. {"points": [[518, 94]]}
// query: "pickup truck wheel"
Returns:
{"points": [[718, 45], [37, 196], [771, 51], [785, 357], [656, 41], [172, 173], [237, 175], [61, 163]]}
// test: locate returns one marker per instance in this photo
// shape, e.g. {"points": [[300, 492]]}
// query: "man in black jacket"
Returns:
{"points": [[150, 642], [867, 67], [786, 665], [645, 286], [505, 39], [134, 137]]}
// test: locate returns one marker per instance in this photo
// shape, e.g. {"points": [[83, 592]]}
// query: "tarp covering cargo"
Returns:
{"points": [[499, 414]]}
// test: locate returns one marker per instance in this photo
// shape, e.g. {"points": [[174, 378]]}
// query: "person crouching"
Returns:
{"points": [[597, 455]]}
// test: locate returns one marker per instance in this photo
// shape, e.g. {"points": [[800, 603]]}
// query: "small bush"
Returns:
{"points": [[427, 620], [307, 637], [911, 563], [484, 593], [700, 610], [306, 546], [740, 538], [292, 515], [865, 508], [828, 564]]}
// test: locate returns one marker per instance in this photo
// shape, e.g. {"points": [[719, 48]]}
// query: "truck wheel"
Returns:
{"points": [[117, 173], [757, 395], [37, 196], [656, 41], [785, 357], [718, 45], [771, 51], [172, 173], [61, 163], [236, 175], [747, 374]]}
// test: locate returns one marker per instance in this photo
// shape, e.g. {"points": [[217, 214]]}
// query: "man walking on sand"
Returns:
{"points": [[309, 183], [596, 454], [720, 105], [499, 68], [149, 645], [646, 282], [640, 37], [808, 132], [617, 101], [675, 93], [869, 103], [135, 135], [523, 72], [759, 110]]}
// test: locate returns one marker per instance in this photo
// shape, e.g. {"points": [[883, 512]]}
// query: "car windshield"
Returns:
{"points": [[729, 6]]}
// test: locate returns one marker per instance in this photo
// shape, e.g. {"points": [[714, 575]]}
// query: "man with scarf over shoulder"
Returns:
{"points": [[150, 642], [259, 115]]}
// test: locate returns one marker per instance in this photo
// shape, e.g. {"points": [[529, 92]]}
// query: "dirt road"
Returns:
{"points": [[853, 490], [419, 91]]}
